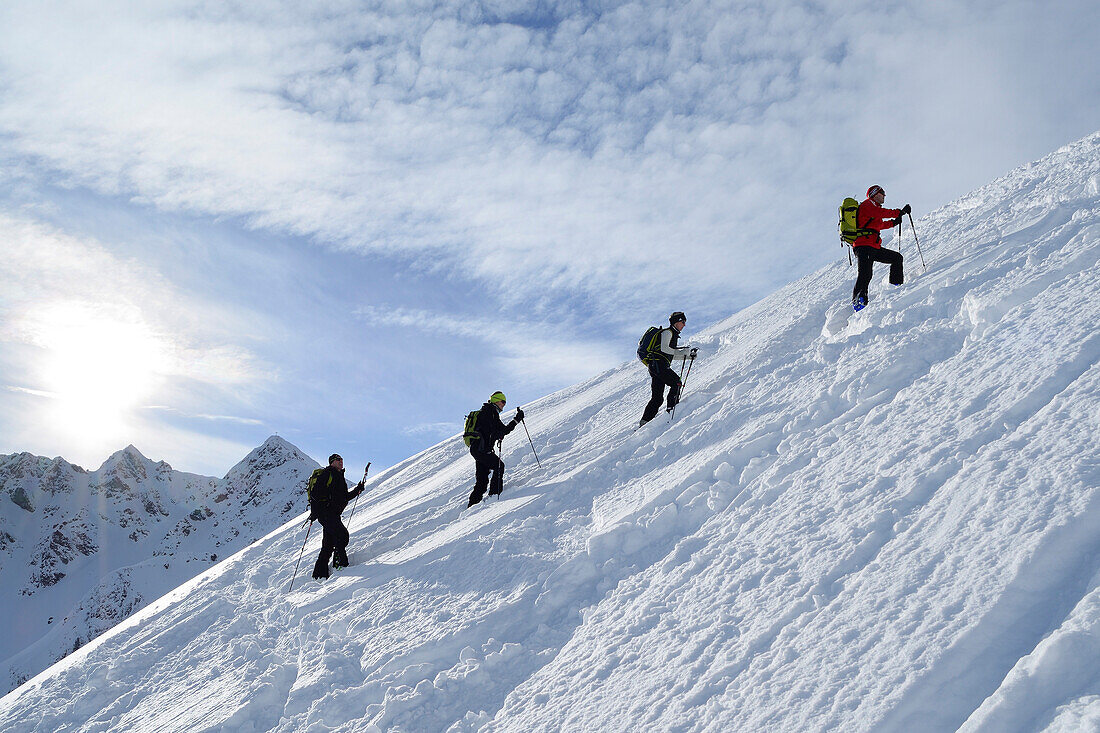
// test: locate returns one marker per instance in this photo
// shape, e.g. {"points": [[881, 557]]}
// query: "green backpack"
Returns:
{"points": [[469, 435], [850, 230], [311, 488]]}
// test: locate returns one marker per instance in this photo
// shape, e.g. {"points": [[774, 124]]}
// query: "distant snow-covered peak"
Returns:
{"points": [[272, 453], [128, 462]]}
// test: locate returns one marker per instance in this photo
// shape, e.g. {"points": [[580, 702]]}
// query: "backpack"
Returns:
{"points": [[469, 434], [849, 227], [650, 344], [317, 494]]}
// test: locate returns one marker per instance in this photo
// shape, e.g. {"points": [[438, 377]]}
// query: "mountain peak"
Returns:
{"points": [[274, 442], [126, 462], [273, 452], [129, 452]]}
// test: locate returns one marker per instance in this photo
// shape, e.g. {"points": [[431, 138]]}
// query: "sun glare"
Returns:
{"points": [[100, 363]]}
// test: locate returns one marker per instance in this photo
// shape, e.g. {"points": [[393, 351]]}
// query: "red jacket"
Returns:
{"points": [[872, 216]]}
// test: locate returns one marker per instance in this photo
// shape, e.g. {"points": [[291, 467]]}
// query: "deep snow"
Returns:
{"points": [[884, 521]]}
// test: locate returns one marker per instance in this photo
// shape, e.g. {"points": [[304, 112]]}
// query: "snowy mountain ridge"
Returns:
{"points": [[81, 550], [881, 521]]}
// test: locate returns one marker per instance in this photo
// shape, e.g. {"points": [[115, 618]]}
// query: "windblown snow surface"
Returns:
{"points": [[887, 521]]}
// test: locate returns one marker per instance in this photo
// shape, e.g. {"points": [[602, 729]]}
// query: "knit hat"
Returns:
{"points": [[875, 189], [498, 397], [677, 317], [334, 457]]}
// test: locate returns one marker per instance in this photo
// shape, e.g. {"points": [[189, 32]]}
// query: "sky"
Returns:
{"points": [[349, 223]]}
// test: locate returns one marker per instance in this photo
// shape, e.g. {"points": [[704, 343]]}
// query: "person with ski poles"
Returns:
{"points": [[328, 497], [657, 350], [868, 248], [484, 430]]}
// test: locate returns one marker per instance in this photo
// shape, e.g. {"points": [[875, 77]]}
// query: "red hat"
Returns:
{"points": [[875, 189]]}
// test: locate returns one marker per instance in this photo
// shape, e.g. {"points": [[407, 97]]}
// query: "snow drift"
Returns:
{"points": [[882, 521]]}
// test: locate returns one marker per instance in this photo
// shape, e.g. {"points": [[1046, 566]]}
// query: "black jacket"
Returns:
{"points": [[330, 493], [490, 429]]}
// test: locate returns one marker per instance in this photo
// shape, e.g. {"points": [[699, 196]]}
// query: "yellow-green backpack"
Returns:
{"points": [[469, 434], [850, 230]]}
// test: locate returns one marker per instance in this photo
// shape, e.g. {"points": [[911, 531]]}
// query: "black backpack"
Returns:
{"points": [[650, 344]]}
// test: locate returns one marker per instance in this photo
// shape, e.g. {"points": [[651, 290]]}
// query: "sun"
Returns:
{"points": [[99, 363]]}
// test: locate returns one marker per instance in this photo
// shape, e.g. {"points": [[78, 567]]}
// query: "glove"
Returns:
{"points": [[896, 223], [694, 351], [519, 414], [359, 486], [907, 209]]}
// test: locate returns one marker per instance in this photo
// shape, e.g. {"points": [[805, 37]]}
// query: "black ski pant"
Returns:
{"points": [[334, 541], [661, 376], [487, 464], [866, 257]]}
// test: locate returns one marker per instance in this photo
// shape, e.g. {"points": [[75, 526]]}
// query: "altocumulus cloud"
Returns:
{"points": [[582, 148]]}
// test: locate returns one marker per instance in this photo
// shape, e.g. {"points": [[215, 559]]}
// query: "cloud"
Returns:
{"points": [[594, 151], [425, 320], [33, 392], [215, 418], [57, 287], [534, 351], [434, 429]]}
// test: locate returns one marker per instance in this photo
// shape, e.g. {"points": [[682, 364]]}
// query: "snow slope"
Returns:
{"points": [[80, 550], [887, 521]]}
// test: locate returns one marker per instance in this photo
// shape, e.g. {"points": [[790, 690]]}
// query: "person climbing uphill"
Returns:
{"points": [[328, 497], [484, 430], [872, 217], [657, 350]]}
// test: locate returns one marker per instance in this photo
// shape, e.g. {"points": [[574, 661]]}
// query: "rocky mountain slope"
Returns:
{"points": [[81, 550]]}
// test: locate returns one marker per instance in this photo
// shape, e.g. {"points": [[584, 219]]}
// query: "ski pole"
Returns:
{"points": [[524, 424], [918, 242], [295, 575], [688, 375], [683, 384], [352, 515], [500, 450], [672, 414]]}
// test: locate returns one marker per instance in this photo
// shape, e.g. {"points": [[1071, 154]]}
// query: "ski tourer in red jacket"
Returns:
{"points": [[868, 248]]}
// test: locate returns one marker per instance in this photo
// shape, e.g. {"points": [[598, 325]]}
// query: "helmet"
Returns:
{"points": [[677, 317], [498, 397], [875, 189]]}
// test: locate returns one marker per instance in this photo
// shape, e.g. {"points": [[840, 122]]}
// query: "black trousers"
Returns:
{"points": [[866, 257], [661, 376], [487, 464], [334, 541]]}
